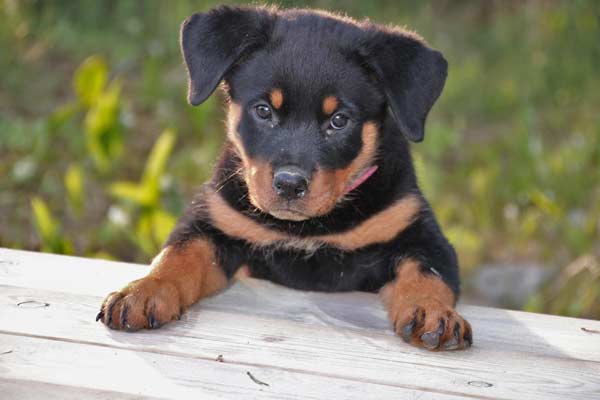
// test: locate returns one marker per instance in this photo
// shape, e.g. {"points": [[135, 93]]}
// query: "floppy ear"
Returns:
{"points": [[212, 42], [412, 74]]}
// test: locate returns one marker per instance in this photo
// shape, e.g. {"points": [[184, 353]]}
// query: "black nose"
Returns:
{"points": [[290, 183]]}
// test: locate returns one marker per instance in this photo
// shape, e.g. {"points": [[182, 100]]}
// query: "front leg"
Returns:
{"points": [[421, 307], [181, 275]]}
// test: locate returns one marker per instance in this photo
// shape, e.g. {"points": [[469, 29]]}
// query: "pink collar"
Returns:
{"points": [[362, 178]]}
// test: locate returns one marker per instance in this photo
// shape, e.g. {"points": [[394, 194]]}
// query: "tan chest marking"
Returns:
{"points": [[382, 227]]}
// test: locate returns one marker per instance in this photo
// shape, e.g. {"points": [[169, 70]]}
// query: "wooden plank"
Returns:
{"points": [[17, 389], [329, 350], [505, 330], [509, 331], [65, 273], [68, 369]]}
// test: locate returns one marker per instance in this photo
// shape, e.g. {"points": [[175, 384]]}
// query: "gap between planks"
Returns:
{"points": [[180, 377], [331, 347], [502, 331]]}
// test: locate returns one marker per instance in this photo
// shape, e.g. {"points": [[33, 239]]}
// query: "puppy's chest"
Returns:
{"points": [[325, 269]]}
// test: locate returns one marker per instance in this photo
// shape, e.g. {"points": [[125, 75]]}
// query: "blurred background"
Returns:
{"points": [[99, 151]]}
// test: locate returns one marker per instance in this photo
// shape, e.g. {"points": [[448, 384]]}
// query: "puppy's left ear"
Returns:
{"points": [[412, 75], [214, 41]]}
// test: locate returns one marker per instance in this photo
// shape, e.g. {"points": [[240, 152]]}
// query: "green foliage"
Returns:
{"points": [[575, 291], [103, 129], [90, 80], [75, 188], [154, 224], [100, 101], [152, 230], [49, 229], [510, 162], [147, 192]]}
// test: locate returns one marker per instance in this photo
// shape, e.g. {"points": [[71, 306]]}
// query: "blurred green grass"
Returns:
{"points": [[99, 151]]}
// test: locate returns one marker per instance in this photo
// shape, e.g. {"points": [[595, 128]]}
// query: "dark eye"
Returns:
{"points": [[263, 111], [338, 121]]}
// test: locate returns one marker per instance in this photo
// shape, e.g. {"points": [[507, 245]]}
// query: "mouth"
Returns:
{"points": [[294, 215], [361, 178], [288, 214]]}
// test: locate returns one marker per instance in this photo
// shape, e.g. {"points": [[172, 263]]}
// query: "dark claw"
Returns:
{"points": [[152, 322], [110, 313], [99, 316], [452, 344], [407, 331], [468, 338], [431, 339], [124, 312]]}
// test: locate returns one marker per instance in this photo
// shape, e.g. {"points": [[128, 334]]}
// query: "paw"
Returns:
{"points": [[433, 325], [145, 303]]}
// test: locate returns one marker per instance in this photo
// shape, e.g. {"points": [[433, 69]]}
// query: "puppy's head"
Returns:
{"points": [[308, 94]]}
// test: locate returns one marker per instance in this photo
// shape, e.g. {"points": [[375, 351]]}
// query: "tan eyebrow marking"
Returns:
{"points": [[276, 98], [330, 104]]}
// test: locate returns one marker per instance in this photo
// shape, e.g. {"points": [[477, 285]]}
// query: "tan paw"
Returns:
{"points": [[144, 303], [432, 325]]}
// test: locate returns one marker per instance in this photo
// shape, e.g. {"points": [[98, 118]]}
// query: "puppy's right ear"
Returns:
{"points": [[212, 42]]}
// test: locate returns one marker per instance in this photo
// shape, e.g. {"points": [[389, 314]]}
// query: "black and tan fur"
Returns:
{"points": [[317, 103]]}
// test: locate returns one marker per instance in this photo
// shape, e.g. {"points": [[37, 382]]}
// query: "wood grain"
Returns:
{"points": [[511, 331], [17, 389], [119, 373], [317, 345]]}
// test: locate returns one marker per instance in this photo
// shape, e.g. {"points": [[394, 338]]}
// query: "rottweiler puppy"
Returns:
{"points": [[315, 187]]}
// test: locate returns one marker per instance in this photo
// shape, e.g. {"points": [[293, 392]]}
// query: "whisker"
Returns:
{"points": [[226, 180]]}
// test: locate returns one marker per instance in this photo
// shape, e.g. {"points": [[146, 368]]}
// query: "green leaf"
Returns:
{"points": [[468, 243], [147, 192], [162, 225], [143, 235], [535, 303], [103, 255], [44, 222], [154, 224], [134, 193], [74, 185], [153, 229], [159, 155], [427, 174], [49, 229], [103, 129], [62, 115], [544, 203], [90, 80]]}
